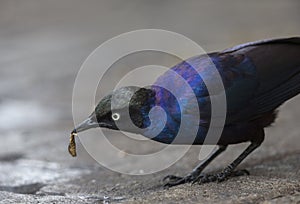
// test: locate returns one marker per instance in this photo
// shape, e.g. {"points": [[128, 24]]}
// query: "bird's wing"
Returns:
{"points": [[193, 82], [277, 63], [257, 78]]}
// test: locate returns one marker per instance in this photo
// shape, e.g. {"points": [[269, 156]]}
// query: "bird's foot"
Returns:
{"points": [[194, 177], [172, 180], [219, 177]]}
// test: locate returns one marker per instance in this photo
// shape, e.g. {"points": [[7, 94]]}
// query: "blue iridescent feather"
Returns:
{"points": [[184, 82]]}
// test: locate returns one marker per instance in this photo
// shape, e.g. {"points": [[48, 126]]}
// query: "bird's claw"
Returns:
{"points": [[219, 177], [171, 180], [208, 178]]}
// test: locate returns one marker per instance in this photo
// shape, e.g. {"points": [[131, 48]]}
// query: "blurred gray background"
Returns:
{"points": [[42, 46]]}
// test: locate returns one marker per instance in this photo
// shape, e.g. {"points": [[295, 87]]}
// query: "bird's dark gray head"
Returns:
{"points": [[120, 109]]}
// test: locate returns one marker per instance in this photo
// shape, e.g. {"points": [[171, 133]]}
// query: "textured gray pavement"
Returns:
{"points": [[42, 46]]}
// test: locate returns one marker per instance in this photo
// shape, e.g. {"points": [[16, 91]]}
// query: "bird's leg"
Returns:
{"points": [[229, 170], [172, 180]]}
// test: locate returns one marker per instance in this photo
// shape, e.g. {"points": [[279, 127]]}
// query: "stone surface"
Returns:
{"points": [[42, 46]]}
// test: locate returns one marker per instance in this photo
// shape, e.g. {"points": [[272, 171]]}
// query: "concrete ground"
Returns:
{"points": [[42, 46]]}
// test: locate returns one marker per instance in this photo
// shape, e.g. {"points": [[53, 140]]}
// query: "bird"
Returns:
{"points": [[257, 78]]}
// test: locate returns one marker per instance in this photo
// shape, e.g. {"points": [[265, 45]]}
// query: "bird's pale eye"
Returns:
{"points": [[115, 116]]}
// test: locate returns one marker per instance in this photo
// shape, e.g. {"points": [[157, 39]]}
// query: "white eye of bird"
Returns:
{"points": [[115, 116]]}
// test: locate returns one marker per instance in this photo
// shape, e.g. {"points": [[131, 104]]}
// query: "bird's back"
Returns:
{"points": [[258, 77]]}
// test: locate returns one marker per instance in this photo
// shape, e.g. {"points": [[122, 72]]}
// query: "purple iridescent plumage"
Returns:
{"points": [[185, 80], [256, 82]]}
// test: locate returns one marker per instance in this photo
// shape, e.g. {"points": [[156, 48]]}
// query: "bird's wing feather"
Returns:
{"points": [[257, 78], [277, 63], [189, 81], [278, 95]]}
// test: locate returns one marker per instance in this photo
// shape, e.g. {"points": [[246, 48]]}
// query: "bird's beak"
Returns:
{"points": [[90, 122]]}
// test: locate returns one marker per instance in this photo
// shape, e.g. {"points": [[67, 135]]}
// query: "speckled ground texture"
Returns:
{"points": [[42, 46]]}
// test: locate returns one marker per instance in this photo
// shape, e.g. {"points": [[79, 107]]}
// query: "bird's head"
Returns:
{"points": [[120, 109]]}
